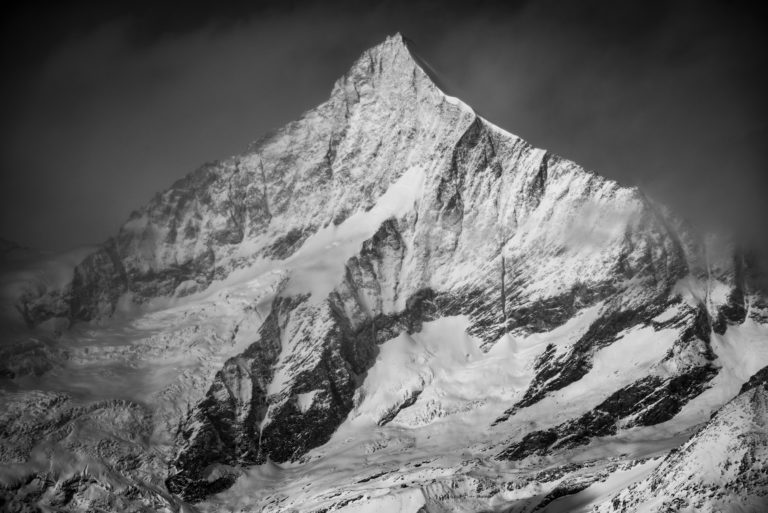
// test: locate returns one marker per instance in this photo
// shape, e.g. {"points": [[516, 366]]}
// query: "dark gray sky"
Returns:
{"points": [[103, 107]]}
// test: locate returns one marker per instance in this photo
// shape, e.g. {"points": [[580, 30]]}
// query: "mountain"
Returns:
{"points": [[721, 468], [388, 304]]}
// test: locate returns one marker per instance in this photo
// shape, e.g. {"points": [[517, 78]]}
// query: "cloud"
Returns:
{"points": [[665, 96], [113, 105], [105, 123]]}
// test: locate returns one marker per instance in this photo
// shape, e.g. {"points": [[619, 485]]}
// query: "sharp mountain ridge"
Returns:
{"points": [[390, 279]]}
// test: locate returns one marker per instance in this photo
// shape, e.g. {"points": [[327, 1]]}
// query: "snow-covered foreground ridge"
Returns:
{"points": [[389, 304]]}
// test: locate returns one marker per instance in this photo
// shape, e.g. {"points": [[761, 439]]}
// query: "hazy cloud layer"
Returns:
{"points": [[101, 109]]}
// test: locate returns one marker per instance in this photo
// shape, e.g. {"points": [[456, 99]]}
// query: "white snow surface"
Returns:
{"points": [[317, 267], [721, 468], [439, 389]]}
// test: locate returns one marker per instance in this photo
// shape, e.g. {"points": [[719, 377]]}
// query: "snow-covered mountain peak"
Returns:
{"points": [[389, 278], [387, 73]]}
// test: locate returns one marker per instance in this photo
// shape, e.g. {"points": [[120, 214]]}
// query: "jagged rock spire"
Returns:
{"points": [[387, 69]]}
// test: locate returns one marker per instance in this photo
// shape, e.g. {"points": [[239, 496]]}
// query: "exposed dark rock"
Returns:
{"points": [[606, 328], [555, 373], [373, 476], [489, 323], [214, 434], [425, 305], [700, 328], [150, 284], [38, 307], [288, 244], [757, 379], [646, 402], [222, 429], [567, 487], [218, 435], [393, 412], [98, 283], [667, 401], [347, 355], [537, 442], [734, 311], [293, 387]]}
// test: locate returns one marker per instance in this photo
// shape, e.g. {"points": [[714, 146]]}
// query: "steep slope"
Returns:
{"points": [[724, 467], [304, 177], [31, 284], [393, 280], [515, 239]]}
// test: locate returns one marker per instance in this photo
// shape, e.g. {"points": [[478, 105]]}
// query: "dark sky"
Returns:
{"points": [[102, 107]]}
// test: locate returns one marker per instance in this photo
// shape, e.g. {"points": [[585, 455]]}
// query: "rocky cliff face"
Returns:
{"points": [[722, 468], [383, 118], [425, 269]]}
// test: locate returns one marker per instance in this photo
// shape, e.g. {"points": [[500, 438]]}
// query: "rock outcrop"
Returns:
{"points": [[388, 209]]}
